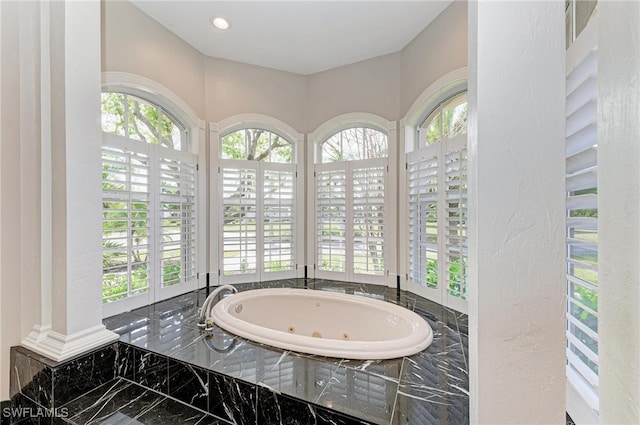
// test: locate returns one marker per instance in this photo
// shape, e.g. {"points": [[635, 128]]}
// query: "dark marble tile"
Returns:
{"points": [[23, 410], [125, 361], [151, 370], [240, 362], [361, 394], [189, 384], [326, 416], [232, 399], [125, 323], [434, 386], [75, 377], [95, 397], [168, 412], [4, 413], [31, 376], [119, 403], [196, 353], [174, 307], [284, 283], [430, 407], [274, 408], [124, 402]]}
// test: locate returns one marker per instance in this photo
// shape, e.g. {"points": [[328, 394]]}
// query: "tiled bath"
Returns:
{"points": [[166, 364]]}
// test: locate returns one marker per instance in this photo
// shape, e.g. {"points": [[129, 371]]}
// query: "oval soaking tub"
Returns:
{"points": [[324, 323]]}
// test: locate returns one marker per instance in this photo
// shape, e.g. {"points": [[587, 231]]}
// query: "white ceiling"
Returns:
{"points": [[298, 36]]}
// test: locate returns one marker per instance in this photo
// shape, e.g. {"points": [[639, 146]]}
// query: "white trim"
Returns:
{"points": [[274, 125], [264, 122], [153, 92], [344, 121], [59, 347], [160, 96], [437, 92], [586, 43], [578, 408], [315, 140]]}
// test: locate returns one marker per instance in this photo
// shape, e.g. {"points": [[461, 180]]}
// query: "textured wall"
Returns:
{"points": [[516, 212]]}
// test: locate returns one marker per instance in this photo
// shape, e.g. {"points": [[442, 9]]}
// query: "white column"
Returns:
{"points": [[74, 111], [619, 211], [516, 212]]}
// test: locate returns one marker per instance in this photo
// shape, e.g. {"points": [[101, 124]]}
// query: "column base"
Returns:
{"points": [[59, 347]]}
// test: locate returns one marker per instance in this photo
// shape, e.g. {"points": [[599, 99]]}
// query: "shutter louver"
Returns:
{"points": [[239, 205], [456, 222], [125, 223], [368, 220], [582, 226], [331, 213], [177, 183], [423, 221], [278, 219]]}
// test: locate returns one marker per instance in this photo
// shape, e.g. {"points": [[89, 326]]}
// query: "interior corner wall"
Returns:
{"points": [[436, 51], [371, 86], [133, 42], [234, 88]]}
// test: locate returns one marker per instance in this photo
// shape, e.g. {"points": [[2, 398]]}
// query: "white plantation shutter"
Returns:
{"points": [[437, 209], [125, 215], [423, 220], [368, 220], [278, 217], [582, 228], [455, 232], [177, 220], [149, 189], [331, 218], [350, 227], [239, 212], [258, 213]]}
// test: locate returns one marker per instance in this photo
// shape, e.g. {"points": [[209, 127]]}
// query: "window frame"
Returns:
{"points": [[415, 148], [180, 113], [217, 131], [314, 158]]}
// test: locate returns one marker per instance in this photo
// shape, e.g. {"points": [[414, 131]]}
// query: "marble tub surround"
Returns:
{"points": [[279, 386], [50, 385]]}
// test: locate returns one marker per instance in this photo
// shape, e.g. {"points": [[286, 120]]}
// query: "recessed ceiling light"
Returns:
{"points": [[220, 23]]}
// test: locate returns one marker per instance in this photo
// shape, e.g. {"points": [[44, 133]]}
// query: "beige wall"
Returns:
{"points": [[437, 50], [133, 42], [236, 88], [20, 157], [371, 86]]}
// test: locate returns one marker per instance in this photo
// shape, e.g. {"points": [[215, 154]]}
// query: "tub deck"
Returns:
{"points": [[245, 382]]}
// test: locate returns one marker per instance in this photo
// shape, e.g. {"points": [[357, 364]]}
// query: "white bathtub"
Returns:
{"points": [[324, 323]]}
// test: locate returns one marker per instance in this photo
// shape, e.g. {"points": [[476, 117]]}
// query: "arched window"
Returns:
{"points": [[354, 144], [132, 117], [149, 194], [351, 179], [256, 144], [446, 121], [437, 202], [257, 182]]}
